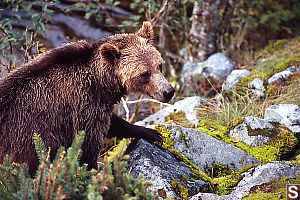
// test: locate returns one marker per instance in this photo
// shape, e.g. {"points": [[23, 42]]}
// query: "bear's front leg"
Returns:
{"points": [[122, 129]]}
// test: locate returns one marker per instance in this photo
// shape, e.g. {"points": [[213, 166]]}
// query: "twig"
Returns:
{"points": [[39, 20], [160, 13], [153, 100], [10, 50], [174, 56], [125, 108]]}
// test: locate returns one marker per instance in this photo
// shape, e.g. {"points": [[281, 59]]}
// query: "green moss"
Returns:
{"points": [[168, 141], [183, 178], [242, 86], [219, 170], [235, 122], [211, 125], [275, 46], [227, 183], [183, 139], [279, 146], [180, 189], [297, 160], [284, 64], [262, 195]]}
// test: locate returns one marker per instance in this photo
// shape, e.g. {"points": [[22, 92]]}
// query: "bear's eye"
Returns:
{"points": [[145, 76], [160, 67]]}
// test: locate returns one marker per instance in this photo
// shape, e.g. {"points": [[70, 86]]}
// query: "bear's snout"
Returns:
{"points": [[168, 94]]}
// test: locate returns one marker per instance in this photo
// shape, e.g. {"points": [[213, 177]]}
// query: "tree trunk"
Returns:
{"points": [[205, 28]]}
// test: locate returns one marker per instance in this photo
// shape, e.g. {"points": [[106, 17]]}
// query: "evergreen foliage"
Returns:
{"points": [[65, 179]]}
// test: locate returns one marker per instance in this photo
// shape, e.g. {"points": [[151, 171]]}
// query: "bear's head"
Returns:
{"points": [[138, 64]]}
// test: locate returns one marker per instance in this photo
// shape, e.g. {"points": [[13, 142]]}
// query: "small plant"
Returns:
{"points": [[65, 179]]}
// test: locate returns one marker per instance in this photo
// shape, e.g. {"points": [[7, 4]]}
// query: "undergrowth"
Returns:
{"points": [[65, 179]]}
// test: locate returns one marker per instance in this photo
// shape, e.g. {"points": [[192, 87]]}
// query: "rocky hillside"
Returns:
{"points": [[244, 144]]}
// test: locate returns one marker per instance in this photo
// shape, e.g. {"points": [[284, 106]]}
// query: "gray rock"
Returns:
{"points": [[286, 114], [245, 135], [233, 78], [257, 87], [254, 177], [284, 75], [217, 67], [160, 166], [186, 105], [79, 27], [294, 69], [204, 150], [55, 36]]}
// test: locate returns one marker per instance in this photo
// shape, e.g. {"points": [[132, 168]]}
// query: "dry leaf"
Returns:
{"points": [[236, 140]]}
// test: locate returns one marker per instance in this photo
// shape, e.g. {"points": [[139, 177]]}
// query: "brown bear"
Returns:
{"points": [[75, 87]]}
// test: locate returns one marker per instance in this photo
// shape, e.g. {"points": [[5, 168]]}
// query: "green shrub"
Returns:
{"points": [[65, 179]]}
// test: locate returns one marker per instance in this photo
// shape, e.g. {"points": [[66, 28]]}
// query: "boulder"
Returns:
{"points": [[162, 168], [233, 78], [284, 75], [187, 106], [216, 68], [254, 177], [204, 150], [286, 114], [82, 28], [269, 139], [253, 131]]}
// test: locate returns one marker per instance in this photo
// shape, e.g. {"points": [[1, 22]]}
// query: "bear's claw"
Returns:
{"points": [[152, 136]]}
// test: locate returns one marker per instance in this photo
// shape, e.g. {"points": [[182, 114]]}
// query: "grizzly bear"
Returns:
{"points": [[75, 87]]}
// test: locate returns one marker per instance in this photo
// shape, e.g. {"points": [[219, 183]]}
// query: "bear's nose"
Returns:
{"points": [[168, 94]]}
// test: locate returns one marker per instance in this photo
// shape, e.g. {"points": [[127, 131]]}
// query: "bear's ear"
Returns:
{"points": [[109, 52], [146, 31]]}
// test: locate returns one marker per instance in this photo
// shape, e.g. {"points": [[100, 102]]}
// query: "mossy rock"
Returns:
{"points": [[224, 179], [272, 190], [276, 57], [228, 174], [182, 188], [277, 149], [168, 143], [242, 86]]}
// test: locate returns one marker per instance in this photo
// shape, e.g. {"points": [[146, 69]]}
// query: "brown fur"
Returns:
{"points": [[73, 88]]}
